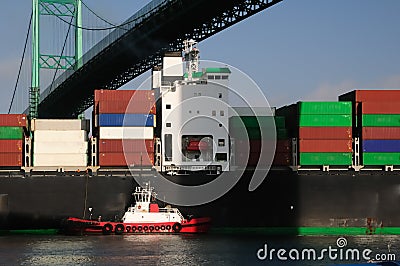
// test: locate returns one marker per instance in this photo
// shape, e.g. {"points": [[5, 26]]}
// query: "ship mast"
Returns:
{"points": [[191, 56]]}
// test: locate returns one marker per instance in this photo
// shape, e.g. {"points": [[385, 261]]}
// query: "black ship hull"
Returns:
{"points": [[284, 199]]}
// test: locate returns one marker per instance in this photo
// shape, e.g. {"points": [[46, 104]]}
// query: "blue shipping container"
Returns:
{"points": [[126, 120], [374, 145]]}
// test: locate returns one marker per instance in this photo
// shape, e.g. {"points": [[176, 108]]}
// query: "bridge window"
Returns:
{"points": [[210, 77], [224, 77], [217, 77]]}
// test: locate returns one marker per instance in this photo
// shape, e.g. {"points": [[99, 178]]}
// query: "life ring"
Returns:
{"points": [[168, 227], [139, 228], [151, 228], [139, 207], [119, 229], [157, 228], [133, 228], [128, 229], [177, 227], [163, 227], [107, 229], [145, 228]]}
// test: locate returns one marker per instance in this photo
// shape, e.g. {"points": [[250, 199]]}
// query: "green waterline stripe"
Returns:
{"points": [[30, 232], [307, 231]]}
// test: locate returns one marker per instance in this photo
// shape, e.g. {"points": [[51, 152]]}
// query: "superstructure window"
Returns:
{"points": [[214, 113], [210, 77], [168, 106], [221, 113], [224, 77], [220, 95], [217, 77], [168, 125], [221, 157], [221, 142]]}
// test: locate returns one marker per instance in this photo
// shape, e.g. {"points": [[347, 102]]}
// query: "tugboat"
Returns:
{"points": [[145, 217]]}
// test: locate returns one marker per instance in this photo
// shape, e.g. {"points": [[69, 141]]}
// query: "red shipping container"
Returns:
{"points": [[282, 159], [13, 120], [325, 133], [11, 146], [325, 145], [11, 159], [381, 133], [126, 159], [127, 145], [126, 107], [381, 107], [123, 95], [283, 146], [371, 96]]}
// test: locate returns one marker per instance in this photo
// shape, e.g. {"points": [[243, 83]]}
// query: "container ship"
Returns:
{"points": [[328, 166]]}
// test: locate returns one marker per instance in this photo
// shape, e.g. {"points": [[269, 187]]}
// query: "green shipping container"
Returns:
{"points": [[325, 121], [255, 134], [381, 158], [11, 133], [324, 108], [381, 120], [325, 158], [253, 121]]}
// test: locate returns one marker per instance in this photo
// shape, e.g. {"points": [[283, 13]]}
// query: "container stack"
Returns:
{"points": [[12, 127], [377, 113], [59, 143], [245, 130], [323, 130], [124, 125]]}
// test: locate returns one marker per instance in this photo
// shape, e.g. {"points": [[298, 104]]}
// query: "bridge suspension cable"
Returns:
{"points": [[20, 65]]}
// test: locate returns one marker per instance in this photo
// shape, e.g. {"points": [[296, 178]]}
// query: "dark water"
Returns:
{"points": [[210, 249]]}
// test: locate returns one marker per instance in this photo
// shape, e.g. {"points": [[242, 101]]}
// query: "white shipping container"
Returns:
{"points": [[66, 136], [126, 133], [63, 147], [60, 124], [60, 160]]}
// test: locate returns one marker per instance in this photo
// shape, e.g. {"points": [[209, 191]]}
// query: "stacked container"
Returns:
{"points": [[12, 128], [60, 143], [245, 130], [377, 113], [124, 125], [283, 150], [323, 130]]}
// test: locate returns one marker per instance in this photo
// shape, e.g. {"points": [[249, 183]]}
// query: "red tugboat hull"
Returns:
{"points": [[80, 226]]}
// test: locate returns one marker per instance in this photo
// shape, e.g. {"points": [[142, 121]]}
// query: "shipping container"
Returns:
{"points": [[60, 124], [388, 145], [257, 121], [325, 145], [11, 159], [255, 134], [123, 95], [325, 133], [11, 146], [60, 147], [381, 158], [126, 159], [126, 120], [380, 133], [127, 145], [282, 159], [325, 120], [381, 107], [13, 120], [126, 132], [324, 108], [325, 158], [64, 135], [11, 133], [128, 107], [381, 120], [60, 160], [268, 146], [247, 159], [371, 96]]}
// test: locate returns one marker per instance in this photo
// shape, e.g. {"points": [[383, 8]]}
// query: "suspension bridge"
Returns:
{"points": [[106, 55]]}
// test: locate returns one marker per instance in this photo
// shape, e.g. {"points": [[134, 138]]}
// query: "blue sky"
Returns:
{"points": [[296, 50]]}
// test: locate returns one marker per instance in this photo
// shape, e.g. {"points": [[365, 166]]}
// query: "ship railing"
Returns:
{"points": [[171, 210]]}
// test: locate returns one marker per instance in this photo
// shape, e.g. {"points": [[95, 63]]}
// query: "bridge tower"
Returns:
{"points": [[62, 9]]}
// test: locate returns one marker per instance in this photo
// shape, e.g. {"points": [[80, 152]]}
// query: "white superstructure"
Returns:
{"points": [[194, 113]]}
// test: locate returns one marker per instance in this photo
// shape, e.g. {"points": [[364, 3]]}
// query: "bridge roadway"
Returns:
{"points": [[134, 48]]}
